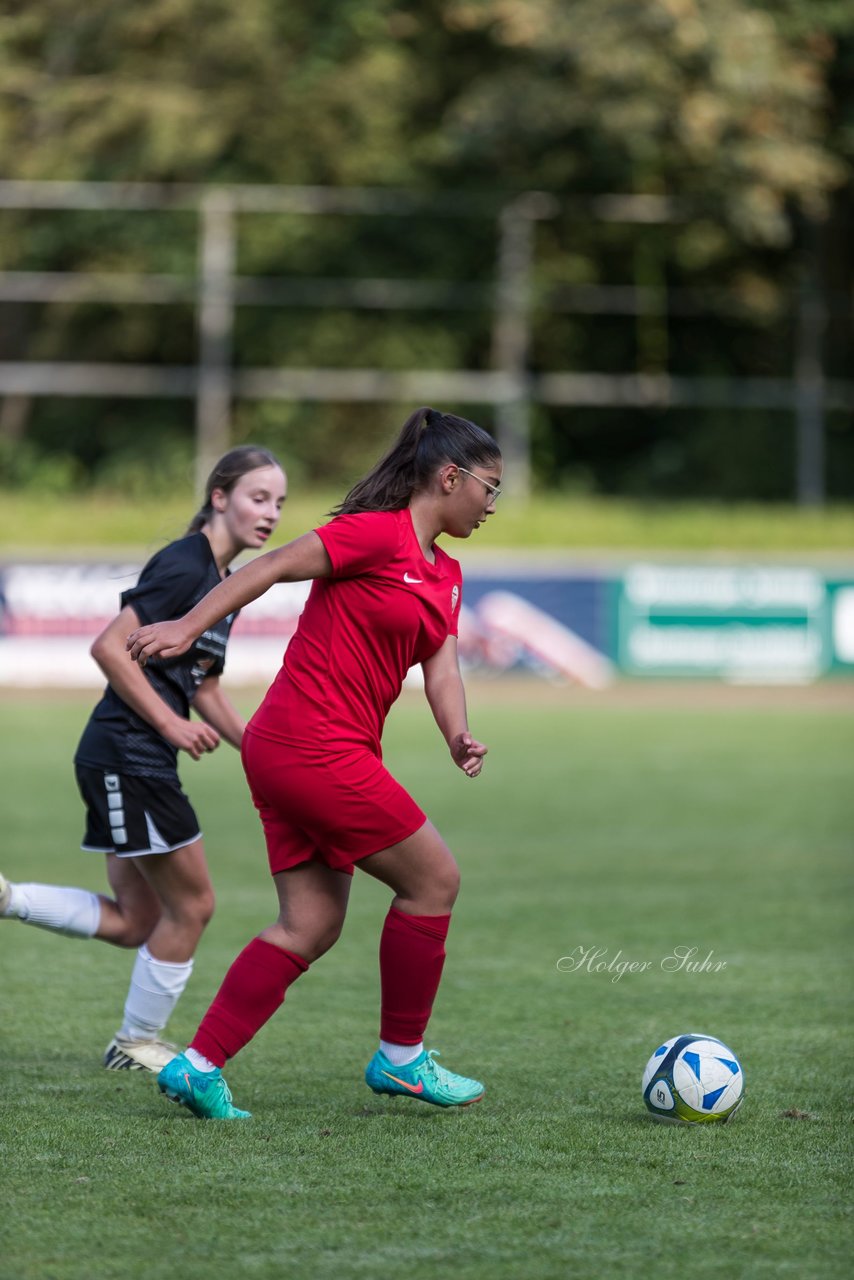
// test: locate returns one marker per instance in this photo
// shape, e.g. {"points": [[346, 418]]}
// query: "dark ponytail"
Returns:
{"points": [[428, 439], [225, 475]]}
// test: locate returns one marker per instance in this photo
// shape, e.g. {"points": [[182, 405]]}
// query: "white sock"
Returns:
{"points": [[154, 990], [74, 912], [399, 1055], [199, 1061]]}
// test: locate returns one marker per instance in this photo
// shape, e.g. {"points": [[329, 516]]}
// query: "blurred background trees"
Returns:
{"points": [[739, 114]]}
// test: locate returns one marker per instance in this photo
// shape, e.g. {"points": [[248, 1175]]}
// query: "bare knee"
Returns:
{"points": [[128, 932], [205, 908], [198, 911], [188, 918], [309, 943], [127, 924], [438, 885], [137, 933], [325, 940], [421, 870], [446, 888], [434, 895]]}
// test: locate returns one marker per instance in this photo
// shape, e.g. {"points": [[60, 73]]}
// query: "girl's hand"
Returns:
{"points": [[468, 754], [159, 639], [193, 736]]}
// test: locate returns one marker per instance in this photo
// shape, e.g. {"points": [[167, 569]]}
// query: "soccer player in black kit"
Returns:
{"points": [[137, 813]]}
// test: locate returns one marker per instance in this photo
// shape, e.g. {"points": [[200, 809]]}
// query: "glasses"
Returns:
{"points": [[494, 490]]}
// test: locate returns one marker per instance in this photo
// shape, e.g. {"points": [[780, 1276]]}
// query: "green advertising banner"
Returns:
{"points": [[734, 622], [841, 608]]}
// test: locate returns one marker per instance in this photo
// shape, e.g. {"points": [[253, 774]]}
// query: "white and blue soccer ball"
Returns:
{"points": [[693, 1079]]}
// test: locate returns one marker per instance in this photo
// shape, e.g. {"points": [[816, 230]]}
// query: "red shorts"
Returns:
{"points": [[333, 808]]}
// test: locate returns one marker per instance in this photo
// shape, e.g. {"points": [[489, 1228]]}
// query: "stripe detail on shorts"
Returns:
{"points": [[116, 808], [131, 815], [157, 843]]}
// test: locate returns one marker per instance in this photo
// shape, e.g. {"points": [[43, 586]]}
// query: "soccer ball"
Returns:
{"points": [[693, 1079]]}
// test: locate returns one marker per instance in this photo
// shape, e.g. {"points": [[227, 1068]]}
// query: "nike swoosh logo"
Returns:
{"points": [[413, 1088], [406, 578]]}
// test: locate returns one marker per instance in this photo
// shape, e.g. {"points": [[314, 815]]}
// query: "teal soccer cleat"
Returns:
{"points": [[423, 1079], [205, 1093]]}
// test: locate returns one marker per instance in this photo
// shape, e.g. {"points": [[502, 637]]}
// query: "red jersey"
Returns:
{"points": [[384, 609]]}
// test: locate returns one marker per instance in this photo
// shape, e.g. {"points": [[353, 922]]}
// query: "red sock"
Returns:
{"points": [[251, 992], [412, 953]]}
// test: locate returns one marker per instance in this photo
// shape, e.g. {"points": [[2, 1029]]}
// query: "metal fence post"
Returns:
{"points": [[511, 334], [511, 341], [216, 325], [810, 388]]}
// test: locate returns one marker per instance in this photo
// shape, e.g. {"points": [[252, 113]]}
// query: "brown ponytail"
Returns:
{"points": [[427, 439]]}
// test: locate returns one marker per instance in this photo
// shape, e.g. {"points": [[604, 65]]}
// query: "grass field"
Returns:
{"points": [[618, 824]]}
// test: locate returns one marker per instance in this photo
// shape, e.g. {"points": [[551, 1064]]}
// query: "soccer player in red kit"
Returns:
{"points": [[384, 597]]}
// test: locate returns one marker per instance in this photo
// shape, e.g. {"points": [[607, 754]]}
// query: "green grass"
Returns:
{"points": [[610, 824], [69, 526]]}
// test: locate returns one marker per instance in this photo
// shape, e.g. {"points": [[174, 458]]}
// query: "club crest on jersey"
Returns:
{"points": [[455, 596]]}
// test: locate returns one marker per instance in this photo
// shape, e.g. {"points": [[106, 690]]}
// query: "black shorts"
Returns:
{"points": [[132, 816]]}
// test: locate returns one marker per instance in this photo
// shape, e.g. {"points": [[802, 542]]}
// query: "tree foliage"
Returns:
{"points": [[703, 99], [739, 111]]}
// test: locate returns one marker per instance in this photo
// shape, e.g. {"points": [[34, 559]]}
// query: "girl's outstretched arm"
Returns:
{"points": [[298, 561]]}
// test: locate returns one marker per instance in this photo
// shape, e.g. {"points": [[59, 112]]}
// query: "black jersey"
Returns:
{"points": [[174, 580]]}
